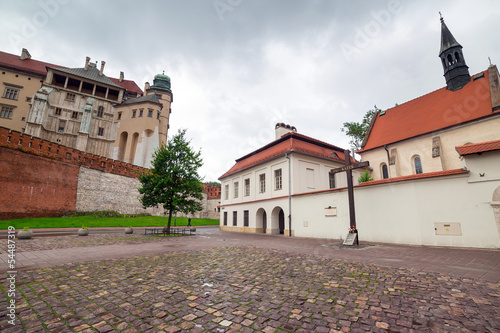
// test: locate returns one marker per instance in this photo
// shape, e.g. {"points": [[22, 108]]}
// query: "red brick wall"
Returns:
{"points": [[34, 186]]}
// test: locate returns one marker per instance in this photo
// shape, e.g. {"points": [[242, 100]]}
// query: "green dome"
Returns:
{"points": [[162, 77], [161, 82]]}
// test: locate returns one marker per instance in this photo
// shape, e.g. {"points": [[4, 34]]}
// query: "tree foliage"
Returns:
{"points": [[213, 183], [365, 177], [173, 180], [357, 131]]}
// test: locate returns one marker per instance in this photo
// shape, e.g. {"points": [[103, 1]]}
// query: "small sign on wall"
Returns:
{"points": [[448, 228], [330, 211]]}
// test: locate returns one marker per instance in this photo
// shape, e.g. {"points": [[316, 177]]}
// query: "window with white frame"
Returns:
{"points": [[247, 187], [6, 112], [236, 189], [331, 180], [278, 184], [225, 218], [245, 218], [262, 183], [11, 93], [235, 218]]}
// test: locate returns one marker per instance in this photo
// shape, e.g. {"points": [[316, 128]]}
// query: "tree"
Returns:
{"points": [[173, 180], [213, 183], [365, 177], [357, 131]]}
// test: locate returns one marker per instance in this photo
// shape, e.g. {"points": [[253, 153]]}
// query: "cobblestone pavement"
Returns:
{"points": [[74, 241], [231, 282]]}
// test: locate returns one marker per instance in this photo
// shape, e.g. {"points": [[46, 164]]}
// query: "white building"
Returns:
{"points": [[259, 191]]}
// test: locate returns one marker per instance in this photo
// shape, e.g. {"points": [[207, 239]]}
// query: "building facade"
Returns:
{"points": [[421, 135], [259, 191]]}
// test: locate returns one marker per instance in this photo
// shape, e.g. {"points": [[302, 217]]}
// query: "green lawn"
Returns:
{"points": [[99, 222]]}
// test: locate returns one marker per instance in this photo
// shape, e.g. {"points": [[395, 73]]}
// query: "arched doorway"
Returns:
{"points": [[261, 220], [282, 222]]}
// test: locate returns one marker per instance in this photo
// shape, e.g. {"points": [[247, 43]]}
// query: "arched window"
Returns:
{"points": [[418, 164], [384, 171], [450, 60], [457, 57]]}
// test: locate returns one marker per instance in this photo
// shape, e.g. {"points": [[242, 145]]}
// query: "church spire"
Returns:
{"points": [[455, 69]]}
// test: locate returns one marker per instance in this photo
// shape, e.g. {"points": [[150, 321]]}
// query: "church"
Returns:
{"points": [[434, 161]]}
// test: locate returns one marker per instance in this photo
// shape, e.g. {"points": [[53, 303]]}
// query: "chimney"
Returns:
{"points": [[122, 76], [87, 60], [25, 54], [282, 129], [102, 68], [146, 86]]}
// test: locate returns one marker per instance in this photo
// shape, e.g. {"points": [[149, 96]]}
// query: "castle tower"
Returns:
{"points": [[161, 88], [455, 69]]}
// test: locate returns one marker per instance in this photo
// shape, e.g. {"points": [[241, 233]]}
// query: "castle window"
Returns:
{"points": [[119, 115], [245, 218], [100, 131], [6, 112], [278, 184], [141, 111], [150, 113], [100, 111], [158, 115], [74, 115], [134, 112], [58, 111], [235, 218], [262, 183], [331, 179], [236, 189], [62, 125], [417, 162], [28, 99], [226, 192], [385, 171], [11, 93], [70, 97], [247, 187]]}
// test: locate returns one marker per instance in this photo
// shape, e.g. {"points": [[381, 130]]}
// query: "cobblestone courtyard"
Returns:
{"points": [[242, 289]]}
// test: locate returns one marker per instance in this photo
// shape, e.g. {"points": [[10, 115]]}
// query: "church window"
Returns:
{"points": [[58, 111], [247, 187], [457, 57], [100, 111], [235, 218], [417, 162], [262, 183], [331, 179], [385, 171], [278, 184], [11, 93], [236, 189], [245, 218], [450, 60], [226, 192], [6, 112]]}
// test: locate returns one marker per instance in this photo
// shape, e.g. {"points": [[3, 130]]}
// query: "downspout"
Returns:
{"points": [[388, 161], [289, 197]]}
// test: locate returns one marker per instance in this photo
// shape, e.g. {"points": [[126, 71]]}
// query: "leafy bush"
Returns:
{"points": [[365, 177]]}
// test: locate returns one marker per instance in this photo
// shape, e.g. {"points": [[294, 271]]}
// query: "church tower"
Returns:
{"points": [[455, 69]]}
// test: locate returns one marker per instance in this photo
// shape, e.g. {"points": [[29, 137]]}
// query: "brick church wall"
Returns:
{"points": [[34, 186]]}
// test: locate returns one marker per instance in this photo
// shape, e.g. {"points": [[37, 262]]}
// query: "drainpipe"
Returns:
{"points": [[388, 161], [289, 197]]}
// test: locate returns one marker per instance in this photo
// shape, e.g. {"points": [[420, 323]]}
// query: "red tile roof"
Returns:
{"points": [[129, 85], [437, 110], [39, 68], [418, 176], [27, 65], [478, 147], [290, 142]]}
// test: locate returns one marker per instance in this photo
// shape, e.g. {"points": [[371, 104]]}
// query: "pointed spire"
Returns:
{"points": [[447, 39]]}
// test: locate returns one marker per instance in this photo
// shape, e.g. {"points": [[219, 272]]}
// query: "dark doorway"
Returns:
{"points": [[264, 222], [281, 220]]}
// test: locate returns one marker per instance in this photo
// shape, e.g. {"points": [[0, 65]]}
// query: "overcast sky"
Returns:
{"points": [[238, 67]]}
